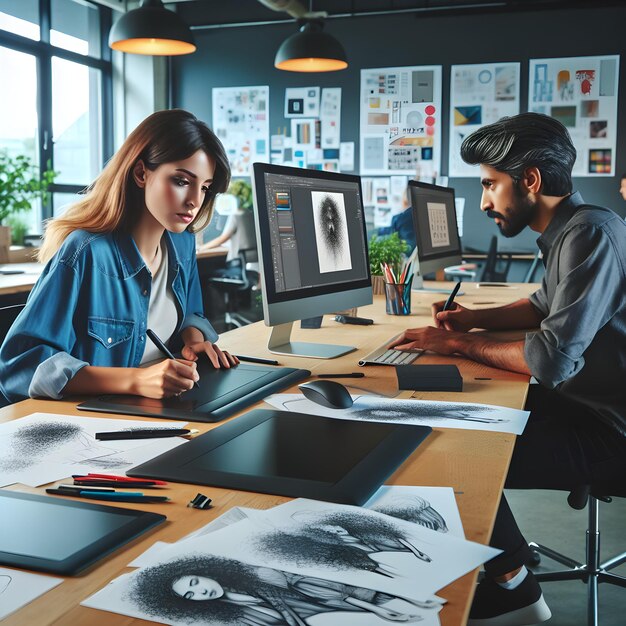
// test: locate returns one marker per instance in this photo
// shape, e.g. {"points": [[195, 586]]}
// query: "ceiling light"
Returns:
{"points": [[311, 50], [151, 29]]}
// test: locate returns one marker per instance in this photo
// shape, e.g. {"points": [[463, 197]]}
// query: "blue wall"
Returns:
{"points": [[245, 56]]}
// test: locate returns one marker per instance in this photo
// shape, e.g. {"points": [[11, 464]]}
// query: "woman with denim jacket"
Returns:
{"points": [[119, 261]]}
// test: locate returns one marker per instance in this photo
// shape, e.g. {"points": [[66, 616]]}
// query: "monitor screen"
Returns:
{"points": [[312, 242], [436, 230]]}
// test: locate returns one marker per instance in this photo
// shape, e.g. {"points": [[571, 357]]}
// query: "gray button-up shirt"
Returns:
{"points": [[581, 346]]}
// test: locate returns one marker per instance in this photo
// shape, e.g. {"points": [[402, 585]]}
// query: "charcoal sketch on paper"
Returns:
{"points": [[207, 589], [413, 508], [340, 540], [331, 231]]}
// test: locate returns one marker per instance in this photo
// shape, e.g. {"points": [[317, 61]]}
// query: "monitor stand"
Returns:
{"points": [[279, 344], [418, 285]]}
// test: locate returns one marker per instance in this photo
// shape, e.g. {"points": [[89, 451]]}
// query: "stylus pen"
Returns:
{"points": [[450, 299], [351, 375], [111, 496], [143, 433], [154, 338], [256, 359]]}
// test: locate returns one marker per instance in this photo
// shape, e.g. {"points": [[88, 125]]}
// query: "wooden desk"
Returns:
{"points": [[218, 252], [19, 283], [474, 463]]}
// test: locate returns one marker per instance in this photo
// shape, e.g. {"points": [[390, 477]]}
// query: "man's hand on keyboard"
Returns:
{"points": [[428, 338]]}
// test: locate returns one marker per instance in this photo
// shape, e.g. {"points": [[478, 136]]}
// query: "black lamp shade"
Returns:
{"points": [[311, 50], [151, 29]]}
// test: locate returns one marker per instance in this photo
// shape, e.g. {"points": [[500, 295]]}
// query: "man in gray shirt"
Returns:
{"points": [[576, 433]]}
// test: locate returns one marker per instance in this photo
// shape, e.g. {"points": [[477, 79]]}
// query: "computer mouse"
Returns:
{"points": [[328, 393]]}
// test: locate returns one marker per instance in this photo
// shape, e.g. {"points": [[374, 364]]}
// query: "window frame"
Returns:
{"points": [[43, 51]]}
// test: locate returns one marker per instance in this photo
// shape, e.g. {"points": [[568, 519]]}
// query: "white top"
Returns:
{"points": [[162, 313]]}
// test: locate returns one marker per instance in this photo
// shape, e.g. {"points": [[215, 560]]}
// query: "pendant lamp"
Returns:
{"points": [[151, 29], [311, 50]]}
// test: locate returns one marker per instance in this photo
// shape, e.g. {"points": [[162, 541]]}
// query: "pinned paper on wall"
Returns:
{"points": [[401, 121], [346, 156], [330, 117], [302, 102], [241, 122], [479, 95], [580, 92]]}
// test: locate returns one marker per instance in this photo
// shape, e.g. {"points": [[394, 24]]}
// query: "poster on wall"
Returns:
{"points": [[241, 121], [401, 121], [580, 92], [330, 116], [479, 95], [302, 102]]}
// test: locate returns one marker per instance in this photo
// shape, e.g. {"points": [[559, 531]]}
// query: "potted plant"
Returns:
{"points": [[20, 184], [242, 190], [387, 249]]}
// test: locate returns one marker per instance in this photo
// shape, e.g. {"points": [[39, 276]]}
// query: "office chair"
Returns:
{"points": [[238, 279], [592, 572], [8, 315], [492, 271], [530, 274]]}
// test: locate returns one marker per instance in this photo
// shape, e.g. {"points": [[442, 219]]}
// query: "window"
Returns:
{"points": [[58, 108]]}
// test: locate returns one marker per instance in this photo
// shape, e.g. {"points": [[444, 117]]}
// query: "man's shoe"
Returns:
{"points": [[495, 606]]}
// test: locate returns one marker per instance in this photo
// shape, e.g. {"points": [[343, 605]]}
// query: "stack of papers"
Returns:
{"points": [[306, 562]]}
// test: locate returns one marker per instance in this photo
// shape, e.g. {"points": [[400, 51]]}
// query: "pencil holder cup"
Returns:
{"points": [[398, 298]]}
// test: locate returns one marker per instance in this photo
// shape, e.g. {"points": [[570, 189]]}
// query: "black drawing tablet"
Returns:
{"points": [[64, 536], [221, 393], [291, 454]]}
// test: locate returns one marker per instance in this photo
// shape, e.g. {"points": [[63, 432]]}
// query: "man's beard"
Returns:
{"points": [[520, 215]]}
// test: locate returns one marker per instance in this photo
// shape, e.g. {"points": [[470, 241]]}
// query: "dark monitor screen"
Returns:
{"points": [[312, 234], [436, 229]]}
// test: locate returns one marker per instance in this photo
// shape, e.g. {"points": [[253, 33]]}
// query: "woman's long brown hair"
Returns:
{"points": [[114, 201]]}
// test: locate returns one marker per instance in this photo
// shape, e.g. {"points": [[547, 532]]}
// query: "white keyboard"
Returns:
{"points": [[384, 356]]}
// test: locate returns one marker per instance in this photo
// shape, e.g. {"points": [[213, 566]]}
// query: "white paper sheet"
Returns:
{"points": [[346, 156], [431, 507], [302, 102], [480, 94], [582, 93], [148, 594], [17, 589], [45, 447], [421, 412]]}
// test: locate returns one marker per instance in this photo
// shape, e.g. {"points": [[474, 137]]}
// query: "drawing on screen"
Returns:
{"points": [[438, 224], [331, 231], [215, 590], [413, 508]]}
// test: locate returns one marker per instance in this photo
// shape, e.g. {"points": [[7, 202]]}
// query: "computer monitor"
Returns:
{"points": [[312, 246], [436, 230]]}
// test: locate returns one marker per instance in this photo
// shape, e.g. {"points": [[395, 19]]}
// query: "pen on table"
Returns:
{"points": [[145, 433], [113, 496], [109, 480], [256, 359], [154, 338], [117, 479], [350, 375], [450, 299]]}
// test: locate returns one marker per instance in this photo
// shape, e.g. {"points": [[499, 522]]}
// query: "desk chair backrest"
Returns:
{"points": [[246, 237], [491, 271], [8, 315]]}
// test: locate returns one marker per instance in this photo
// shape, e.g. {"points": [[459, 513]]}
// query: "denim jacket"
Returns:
{"points": [[90, 307]]}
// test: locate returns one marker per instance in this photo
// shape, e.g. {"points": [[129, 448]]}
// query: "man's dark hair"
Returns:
{"points": [[513, 144]]}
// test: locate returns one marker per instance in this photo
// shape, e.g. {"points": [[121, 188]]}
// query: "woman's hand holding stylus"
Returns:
{"points": [[165, 379]]}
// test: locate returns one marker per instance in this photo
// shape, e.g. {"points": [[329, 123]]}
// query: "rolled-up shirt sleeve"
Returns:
{"points": [[35, 357], [587, 296]]}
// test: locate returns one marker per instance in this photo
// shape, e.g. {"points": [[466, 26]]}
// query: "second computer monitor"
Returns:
{"points": [[436, 230], [313, 248]]}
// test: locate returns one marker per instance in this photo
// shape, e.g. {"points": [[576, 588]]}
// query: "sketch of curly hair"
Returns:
{"points": [[331, 222]]}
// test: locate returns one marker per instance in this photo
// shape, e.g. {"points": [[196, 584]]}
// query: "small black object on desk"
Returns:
{"points": [[327, 393], [351, 319], [429, 377]]}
